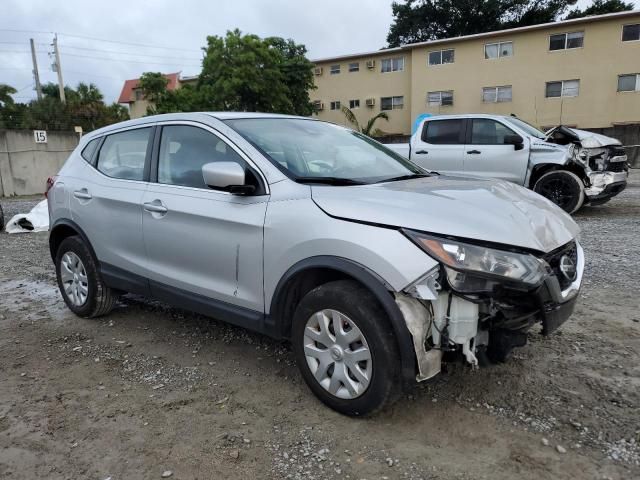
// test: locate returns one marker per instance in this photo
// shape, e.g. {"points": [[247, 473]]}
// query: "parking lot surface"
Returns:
{"points": [[151, 390]]}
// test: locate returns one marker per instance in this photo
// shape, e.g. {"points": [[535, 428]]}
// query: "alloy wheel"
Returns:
{"points": [[74, 279]]}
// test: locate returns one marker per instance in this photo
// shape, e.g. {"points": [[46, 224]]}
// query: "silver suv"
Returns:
{"points": [[374, 268]]}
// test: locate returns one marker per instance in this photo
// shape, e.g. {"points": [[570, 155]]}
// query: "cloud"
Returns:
{"points": [[328, 27]]}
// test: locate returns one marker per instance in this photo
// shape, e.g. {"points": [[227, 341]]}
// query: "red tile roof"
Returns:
{"points": [[126, 95]]}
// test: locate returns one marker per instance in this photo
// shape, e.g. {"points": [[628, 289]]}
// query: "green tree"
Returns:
{"points": [[5, 94], [600, 7], [367, 129], [84, 107], [153, 86], [422, 20], [247, 73]]}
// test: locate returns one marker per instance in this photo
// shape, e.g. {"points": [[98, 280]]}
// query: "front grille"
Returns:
{"points": [[617, 167], [553, 259], [617, 151]]}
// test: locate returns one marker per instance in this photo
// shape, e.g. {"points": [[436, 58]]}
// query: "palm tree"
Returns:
{"points": [[368, 129], [5, 94]]}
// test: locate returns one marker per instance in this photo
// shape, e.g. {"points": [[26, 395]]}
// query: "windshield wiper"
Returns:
{"points": [[405, 177], [329, 181]]}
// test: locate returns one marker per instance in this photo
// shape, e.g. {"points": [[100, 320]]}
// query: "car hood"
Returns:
{"points": [[594, 140], [587, 139], [472, 208]]}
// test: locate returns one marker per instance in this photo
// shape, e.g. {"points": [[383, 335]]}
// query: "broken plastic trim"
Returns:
{"points": [[418, 320]]}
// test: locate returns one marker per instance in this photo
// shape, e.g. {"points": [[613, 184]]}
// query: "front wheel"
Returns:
{"points": [[345, 348], [562, 187]]}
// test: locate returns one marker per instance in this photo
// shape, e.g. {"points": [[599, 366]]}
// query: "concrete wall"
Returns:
{"points": [[26, 165]]}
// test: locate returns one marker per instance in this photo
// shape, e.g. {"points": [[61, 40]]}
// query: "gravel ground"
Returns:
{"points": [[152, 391]]}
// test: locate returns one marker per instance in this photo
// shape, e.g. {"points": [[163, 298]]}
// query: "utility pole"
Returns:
{"points": [[56, 52], [36, 76]]}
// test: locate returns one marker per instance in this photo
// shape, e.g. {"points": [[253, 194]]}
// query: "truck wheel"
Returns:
{"points": [[345, 348], [562, 187], [80, 282]]}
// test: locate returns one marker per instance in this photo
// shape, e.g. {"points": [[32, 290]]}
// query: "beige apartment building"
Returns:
{"points": [[582, 72]]}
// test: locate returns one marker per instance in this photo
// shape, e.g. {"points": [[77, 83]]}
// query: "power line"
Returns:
{"points": [[87, 37], [129, 61], [127, 53], [127, 43], [23, 31]]}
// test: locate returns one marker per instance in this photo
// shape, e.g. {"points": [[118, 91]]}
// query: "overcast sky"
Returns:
{"points": [[179, 28]]}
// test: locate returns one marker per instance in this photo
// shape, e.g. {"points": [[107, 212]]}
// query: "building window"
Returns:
{"points": [[335, 105], [335, 69], [444, 99], [354, 67], [392, 64], [497, 50], [631, 33], [139, 94], [354, 103], [565, 41], [629, 82], [564, 88], [496, 94], [391, 103], [440, 57]]}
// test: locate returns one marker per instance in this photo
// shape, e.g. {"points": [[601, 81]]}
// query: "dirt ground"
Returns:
{"points": [[152, 390]]}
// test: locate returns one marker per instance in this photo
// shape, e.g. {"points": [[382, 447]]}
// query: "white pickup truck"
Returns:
{"points": [[570, 167]]}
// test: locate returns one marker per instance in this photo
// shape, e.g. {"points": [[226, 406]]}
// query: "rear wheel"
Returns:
{"points": [[1, 218], [80, 282], [345, 348], [562, 187]]}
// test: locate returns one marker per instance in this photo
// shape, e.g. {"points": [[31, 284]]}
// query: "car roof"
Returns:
{"points": [[467, 115], [194, 116]]}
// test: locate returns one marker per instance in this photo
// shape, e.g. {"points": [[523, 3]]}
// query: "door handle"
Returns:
{"points": [[82, 194], [155, 207], [474, 152], [422, 152]]}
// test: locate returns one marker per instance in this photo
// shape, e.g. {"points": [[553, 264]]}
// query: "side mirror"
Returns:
{"points": [[515, 140], [227, 176]]}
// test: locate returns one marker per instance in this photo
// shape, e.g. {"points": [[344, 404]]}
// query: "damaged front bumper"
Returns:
{"points": [[442, 321], [605, 185]]}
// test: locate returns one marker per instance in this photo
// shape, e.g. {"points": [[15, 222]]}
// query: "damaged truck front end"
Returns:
{"points": [[602, 161], [481, 301]]}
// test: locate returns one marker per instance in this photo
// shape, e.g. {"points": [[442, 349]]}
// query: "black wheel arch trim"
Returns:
{"points": [[368, 279], [74, 226]]}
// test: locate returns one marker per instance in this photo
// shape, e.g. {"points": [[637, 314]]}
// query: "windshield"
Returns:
{"points": [[313, 151], [527, 127]]}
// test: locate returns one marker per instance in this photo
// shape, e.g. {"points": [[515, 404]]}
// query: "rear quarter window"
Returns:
{"points": [[88, 152]]}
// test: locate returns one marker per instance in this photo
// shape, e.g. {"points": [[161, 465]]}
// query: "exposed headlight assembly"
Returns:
{"points": [[474, 268]]}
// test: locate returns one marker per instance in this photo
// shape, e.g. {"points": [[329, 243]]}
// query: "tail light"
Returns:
{"points": [[50, 183]]}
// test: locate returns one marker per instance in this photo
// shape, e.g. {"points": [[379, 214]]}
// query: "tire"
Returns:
{"points": [[562, 187], [92, 298], [1, 218], [345, 304]]}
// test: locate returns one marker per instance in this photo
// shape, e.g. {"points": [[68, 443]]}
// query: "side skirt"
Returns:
{"points": [[253, 320]]}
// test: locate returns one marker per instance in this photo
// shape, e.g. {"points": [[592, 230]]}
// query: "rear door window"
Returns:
{"points": [[123, 154], [443, 132]]}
